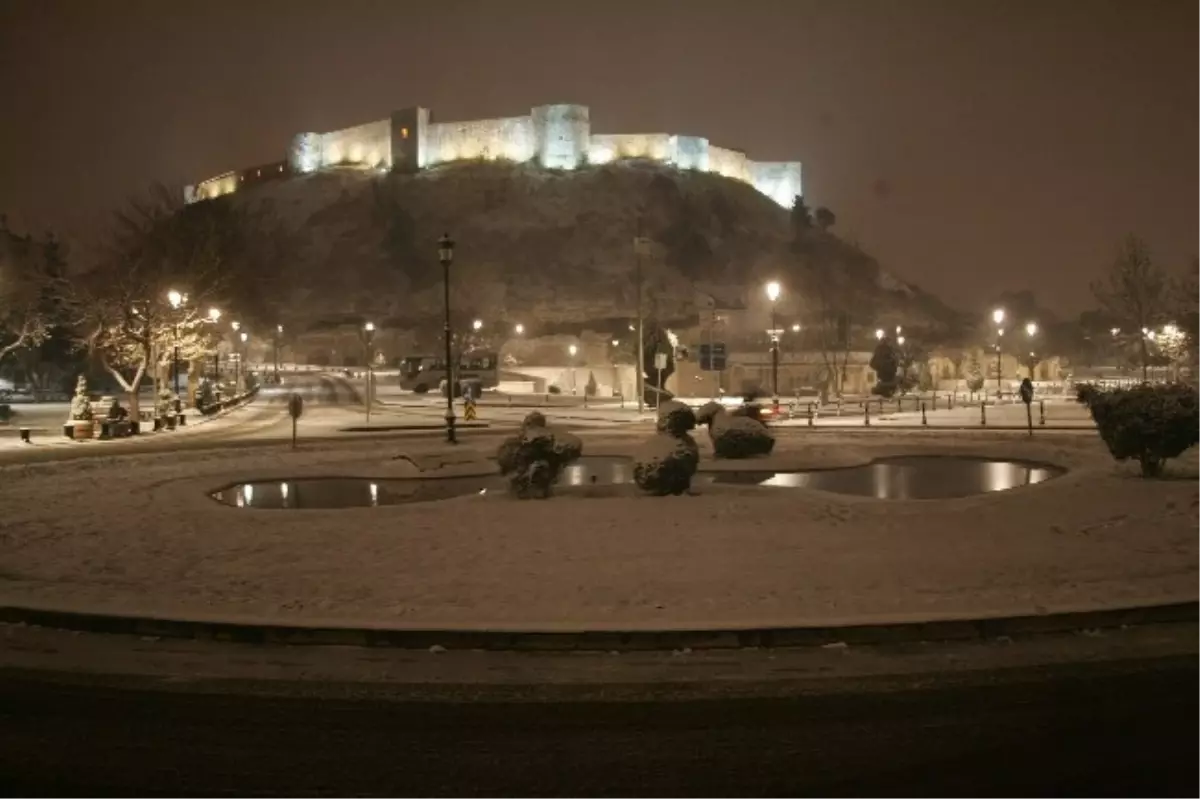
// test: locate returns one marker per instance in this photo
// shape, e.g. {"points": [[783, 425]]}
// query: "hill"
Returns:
{"points": [[547, 248]]}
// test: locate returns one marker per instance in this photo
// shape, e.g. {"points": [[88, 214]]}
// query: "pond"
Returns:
{"points": [[911, 477], [315, 493]]}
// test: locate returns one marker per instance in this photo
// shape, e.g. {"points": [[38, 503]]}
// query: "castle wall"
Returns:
{"points": [[510, 138], [779, 180], [556, 136], [367, 145], [213, 187], [730, 163], [611, 147]]}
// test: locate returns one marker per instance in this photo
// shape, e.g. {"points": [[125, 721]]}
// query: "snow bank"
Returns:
{"points": [[139, 533]]}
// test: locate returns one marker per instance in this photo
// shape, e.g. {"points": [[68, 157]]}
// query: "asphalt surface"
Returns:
{"points": [[1124, 728]]}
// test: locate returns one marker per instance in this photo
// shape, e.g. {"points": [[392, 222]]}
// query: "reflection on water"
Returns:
{"points": [[345, 492], [598, 471], [917, 477]]}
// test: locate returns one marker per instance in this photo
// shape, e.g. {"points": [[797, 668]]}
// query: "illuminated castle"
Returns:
{"points": [[554, 136]]}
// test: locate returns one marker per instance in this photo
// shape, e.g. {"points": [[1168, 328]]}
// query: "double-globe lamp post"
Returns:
{"points": [[998, 318], [177, 300], [773, 291], [445, 256]]}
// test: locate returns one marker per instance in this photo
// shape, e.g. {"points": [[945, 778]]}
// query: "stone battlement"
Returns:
{"points": [[554, 136]]}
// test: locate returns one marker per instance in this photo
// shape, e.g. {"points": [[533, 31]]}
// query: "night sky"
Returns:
{"points": [[972, 146]]}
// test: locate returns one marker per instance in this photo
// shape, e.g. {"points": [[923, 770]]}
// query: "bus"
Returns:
{"points": [[478, 368]]}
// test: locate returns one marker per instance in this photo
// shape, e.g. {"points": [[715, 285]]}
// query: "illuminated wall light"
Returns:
{"points": [[356, 152], [373, 158], [404, 133], [333, 154]]}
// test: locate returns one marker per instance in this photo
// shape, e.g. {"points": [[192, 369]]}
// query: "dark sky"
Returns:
{"points": [[971, 145]]}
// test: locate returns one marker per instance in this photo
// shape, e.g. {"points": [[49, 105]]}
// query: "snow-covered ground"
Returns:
{"points": [[140, 534]]}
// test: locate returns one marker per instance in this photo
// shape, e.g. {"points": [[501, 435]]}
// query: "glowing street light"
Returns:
{"points": [[214, 314], [572, 350], [879, 334], [1116, 331], [175, 298], [773, 291], [520, 329], [1031, 329], [796, 328], [998, 318], [900, 340], [477, 324]]}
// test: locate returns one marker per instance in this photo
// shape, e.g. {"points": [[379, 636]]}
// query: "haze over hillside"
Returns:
{"points": [[547, 247]]}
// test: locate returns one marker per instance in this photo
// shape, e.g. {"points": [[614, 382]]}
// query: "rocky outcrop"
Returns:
{"points": [[534, 458], [740, 434], [666, 463]]}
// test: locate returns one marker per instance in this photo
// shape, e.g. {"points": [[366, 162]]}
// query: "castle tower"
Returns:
{"points": [[408, 138], [561, 135]]}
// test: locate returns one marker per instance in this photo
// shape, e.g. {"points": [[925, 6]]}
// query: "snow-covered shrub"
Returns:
{"points": [[164, 406], [740, 434], [534, 458], [81, 404], [666, 463], [1145, 423]]}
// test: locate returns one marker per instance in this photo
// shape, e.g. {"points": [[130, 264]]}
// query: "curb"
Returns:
{"points": [[403, 427], [603, 640]]}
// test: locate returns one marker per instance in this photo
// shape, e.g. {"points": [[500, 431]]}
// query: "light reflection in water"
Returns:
{"points": [[910, 478]]}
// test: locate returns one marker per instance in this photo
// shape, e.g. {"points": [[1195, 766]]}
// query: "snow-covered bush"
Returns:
{"points": [[1145, 423], [740, 434], [164, 406], [666, 463], [534, 458], [81, 404]]}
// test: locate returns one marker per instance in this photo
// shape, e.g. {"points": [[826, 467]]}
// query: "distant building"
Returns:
{"points": [[554, 136]]}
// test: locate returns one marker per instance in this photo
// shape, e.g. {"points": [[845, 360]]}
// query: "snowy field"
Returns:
{"points": [[140, 534]]}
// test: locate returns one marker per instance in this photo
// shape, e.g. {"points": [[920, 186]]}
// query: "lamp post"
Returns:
{"points": [[519, 329], [214, 316], [176, 299], [1031, 330], [571, 350], [773, 290], [445, 256], [241, 357], [278, 333], [369, 341], [998, 318]]}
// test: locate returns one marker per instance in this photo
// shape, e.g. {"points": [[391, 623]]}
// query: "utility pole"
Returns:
{"points": [[641, 333]]}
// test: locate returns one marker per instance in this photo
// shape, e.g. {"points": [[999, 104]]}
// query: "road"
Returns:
{"points": [[1108, 729]]}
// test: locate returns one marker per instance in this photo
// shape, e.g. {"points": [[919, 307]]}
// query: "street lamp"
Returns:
{"points": [[900, 340], [176, 299], [278, 333], [879, 334], [241, 357], [571, 350], [476, 325], [519, 329], [1031, 330], [214, 316], [773, 291], [369, 339], [998, 318], [796, 328], [445, 256]]}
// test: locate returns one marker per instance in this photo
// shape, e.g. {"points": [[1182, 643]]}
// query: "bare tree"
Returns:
{"points": [[122, 311], [1135, 293], [25, 280]]}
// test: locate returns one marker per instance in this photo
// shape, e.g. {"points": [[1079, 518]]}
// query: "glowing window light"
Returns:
{"points": [[404, 133], [333, 154]]}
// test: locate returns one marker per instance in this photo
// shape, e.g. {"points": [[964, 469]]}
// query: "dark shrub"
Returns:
{"points": [[1146, 423], [534, 458]]}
